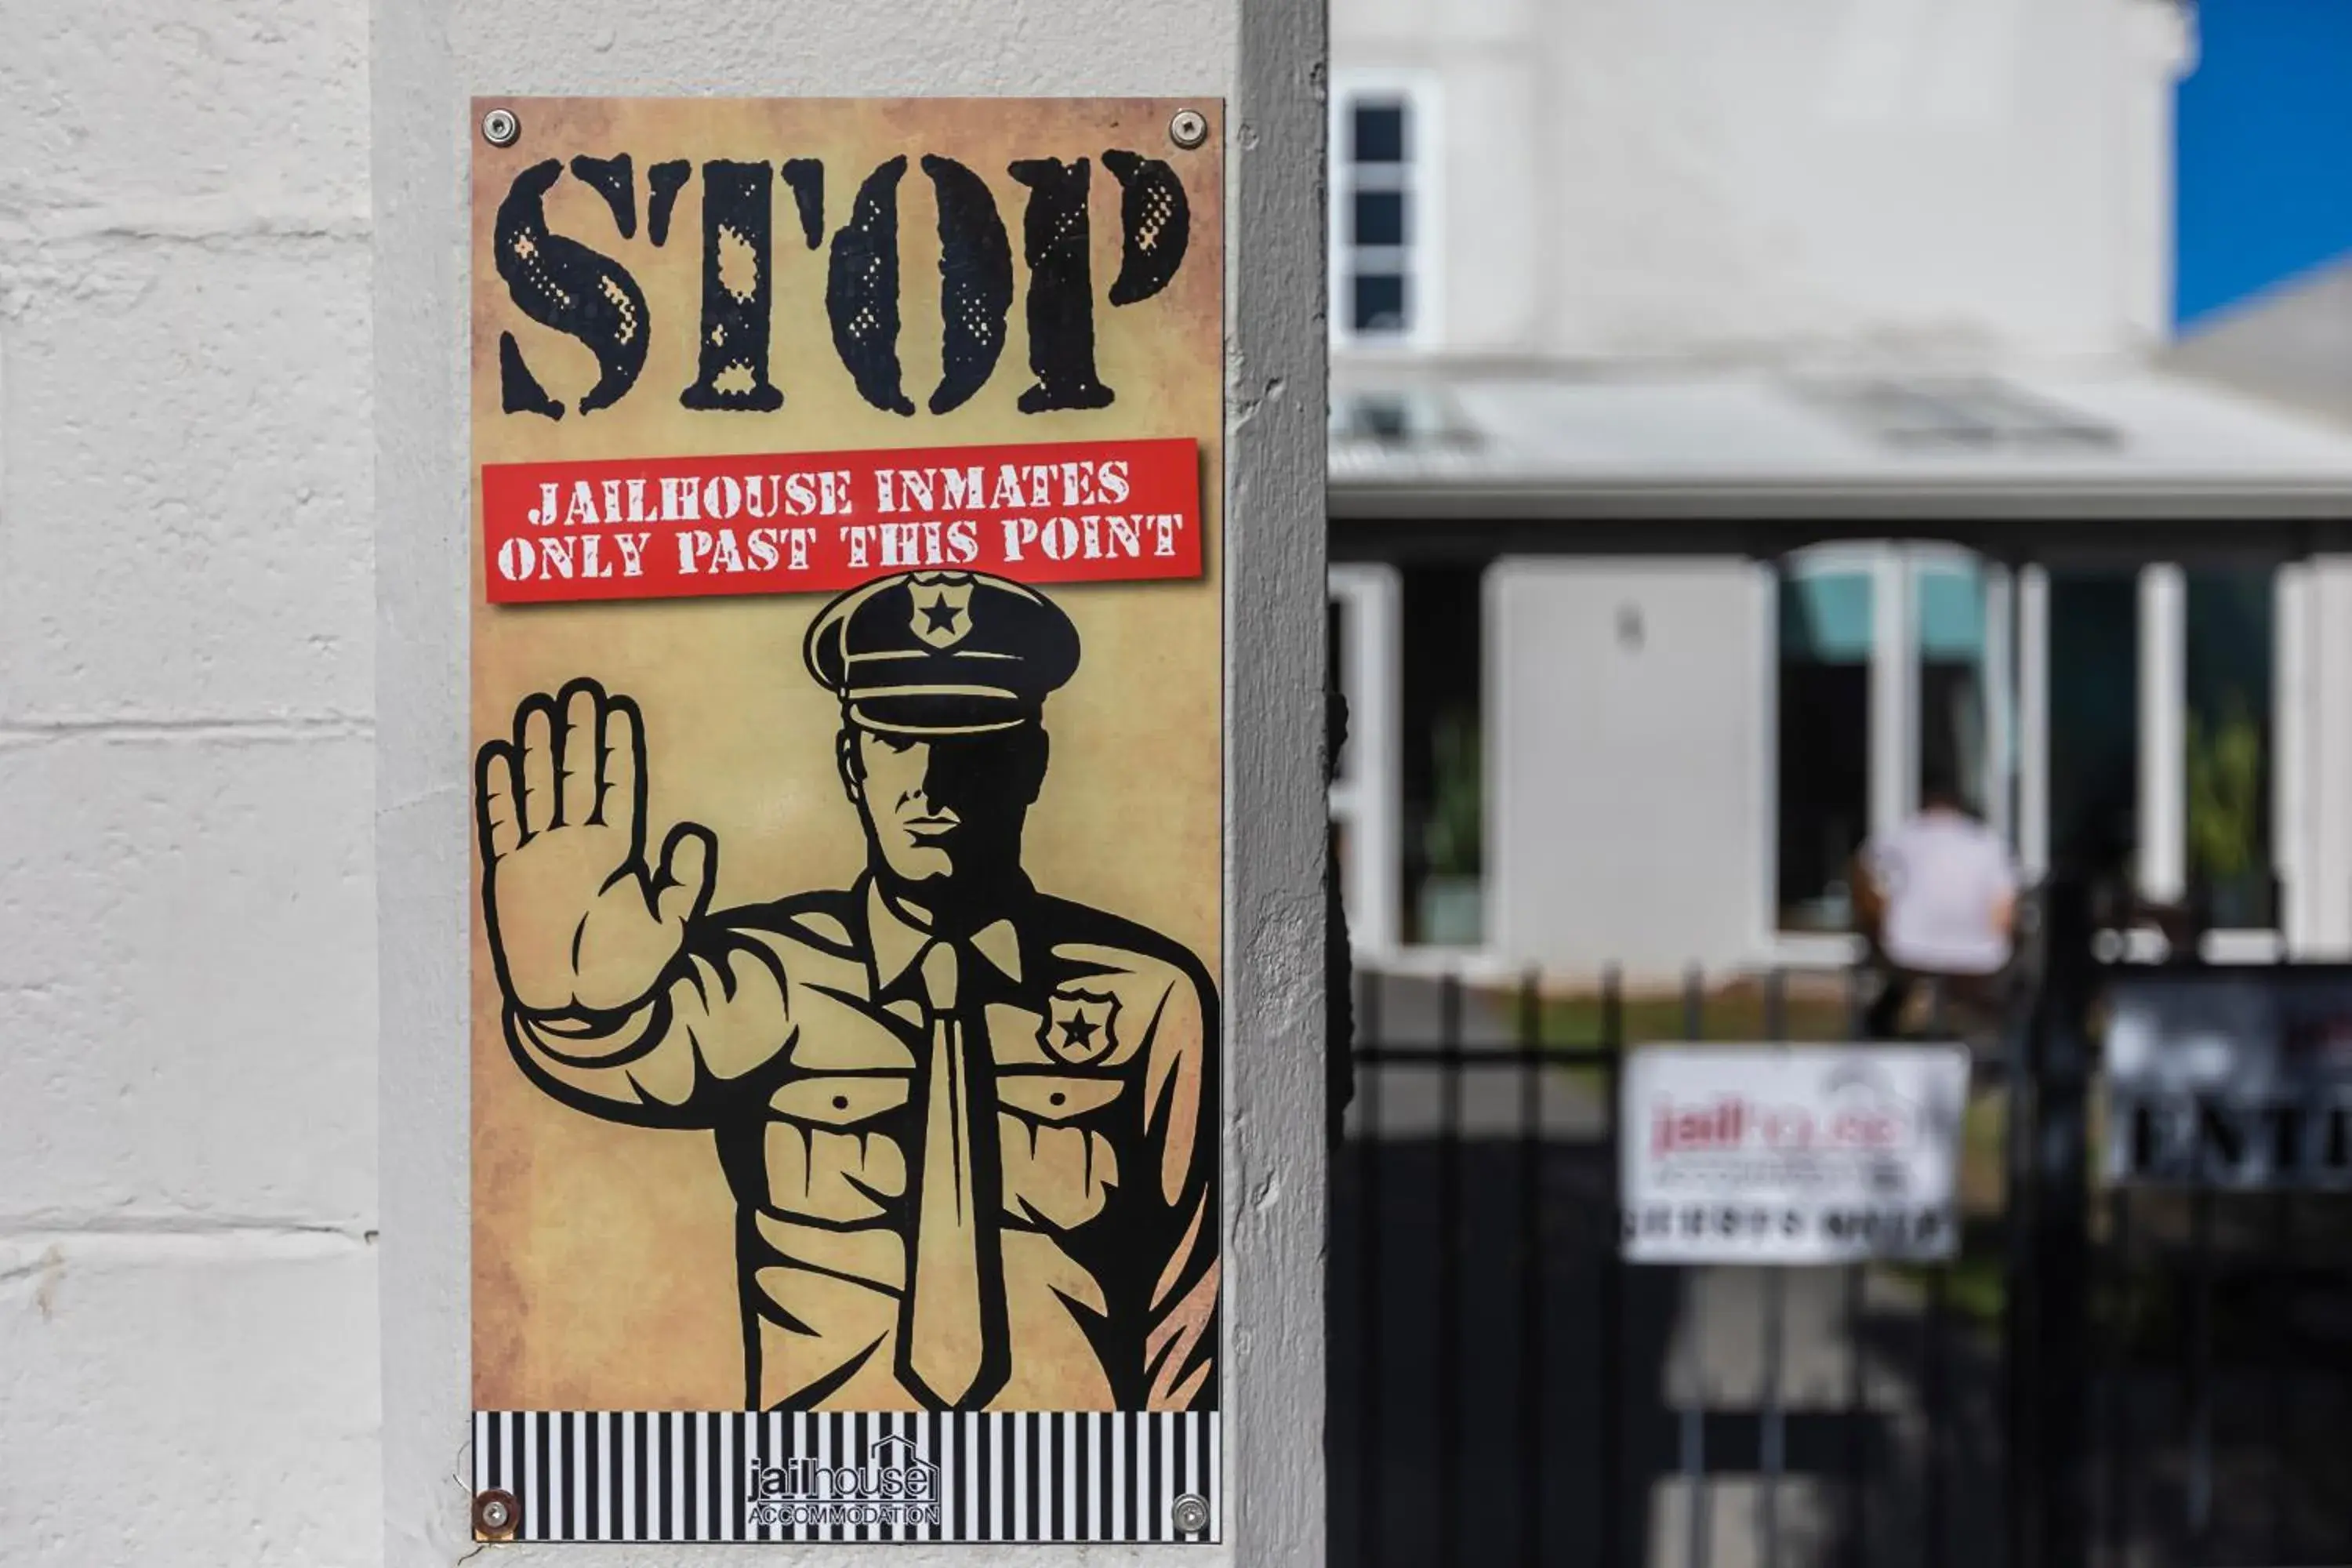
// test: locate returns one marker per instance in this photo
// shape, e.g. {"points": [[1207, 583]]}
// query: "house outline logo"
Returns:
{"points": [[894, 1484]]}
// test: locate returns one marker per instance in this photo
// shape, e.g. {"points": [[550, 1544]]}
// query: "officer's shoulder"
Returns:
{"points": [[1081, 933], [824, 920]]}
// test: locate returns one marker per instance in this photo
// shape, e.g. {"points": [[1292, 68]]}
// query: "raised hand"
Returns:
{"points": [[578, 923]]}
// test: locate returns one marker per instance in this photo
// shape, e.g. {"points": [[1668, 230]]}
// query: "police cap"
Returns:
{"points": [[942, 653]]}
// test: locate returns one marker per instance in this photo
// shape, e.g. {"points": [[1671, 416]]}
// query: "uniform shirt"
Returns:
{"points": [[1944, 877], [799, 1032]]}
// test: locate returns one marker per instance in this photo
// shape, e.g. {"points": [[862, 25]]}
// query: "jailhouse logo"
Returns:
{"points": [[895, 1486], [1858, 1113]]}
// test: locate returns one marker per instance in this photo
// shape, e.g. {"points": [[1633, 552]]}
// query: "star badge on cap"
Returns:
{"points": [[943, 609], [1078, 1026], [942, 653]]}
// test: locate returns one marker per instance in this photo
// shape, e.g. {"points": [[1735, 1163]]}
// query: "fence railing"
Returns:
{"points": [[1506, 1389]]}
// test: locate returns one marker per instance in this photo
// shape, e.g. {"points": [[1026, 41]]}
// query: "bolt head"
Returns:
{"points": [[496, 1514], [499, 128], [1188, 127], [1190, 1513]]}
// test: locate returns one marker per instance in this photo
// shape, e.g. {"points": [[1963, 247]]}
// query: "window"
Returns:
{"points": [[1826, 638], [1441, 752], [2124, 716], [2227, 657], [1383, 227], [1892, 671], [2094, 746], [1961, 746], [1408, 805]]}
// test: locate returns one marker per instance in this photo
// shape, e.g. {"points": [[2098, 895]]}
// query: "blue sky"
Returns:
{"points": [[2265, 149]]}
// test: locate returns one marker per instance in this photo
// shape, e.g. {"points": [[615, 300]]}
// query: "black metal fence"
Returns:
{"points": [[1505, 1390]]}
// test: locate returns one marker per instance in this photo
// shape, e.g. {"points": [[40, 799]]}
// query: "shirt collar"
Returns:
{"points": [[898, 943]]}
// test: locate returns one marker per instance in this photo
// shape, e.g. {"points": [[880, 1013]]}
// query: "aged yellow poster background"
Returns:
{"points": [[605, 1253]]}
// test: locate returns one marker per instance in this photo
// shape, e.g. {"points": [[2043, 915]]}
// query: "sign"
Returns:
{"points": [[2234, 1078], [1791, 1154], [1084, 512], [847, 673]]}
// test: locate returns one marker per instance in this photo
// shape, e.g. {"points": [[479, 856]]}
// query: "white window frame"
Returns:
{"points": [[1895, 568], [2002, 725], [2031, 837], [1367, 789], [1419, 258], [1807, 950], [2162, 785], [2163, 868], [2292, 851]]}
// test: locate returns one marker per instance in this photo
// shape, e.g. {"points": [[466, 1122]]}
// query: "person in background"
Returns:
{"points": [[1937, 899]]}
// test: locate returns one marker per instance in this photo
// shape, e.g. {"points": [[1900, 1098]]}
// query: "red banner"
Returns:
{"points": [[663, 527]]}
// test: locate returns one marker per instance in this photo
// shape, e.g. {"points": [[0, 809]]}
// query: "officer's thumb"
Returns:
{"points": [[689, 864]]}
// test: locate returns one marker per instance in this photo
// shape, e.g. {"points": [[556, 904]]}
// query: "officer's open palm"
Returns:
{"points": [[578, 923]]}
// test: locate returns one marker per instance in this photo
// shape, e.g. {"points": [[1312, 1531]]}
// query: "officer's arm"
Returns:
{"points": [[1181, 1131], [719, 1013]]}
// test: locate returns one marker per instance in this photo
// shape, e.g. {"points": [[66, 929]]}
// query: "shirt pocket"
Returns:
{"points": [[1056, 1097], [840, 1101]]}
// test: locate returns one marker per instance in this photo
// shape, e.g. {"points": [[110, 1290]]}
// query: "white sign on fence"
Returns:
{"points": [[1791, 1154], [2238, 1079]]}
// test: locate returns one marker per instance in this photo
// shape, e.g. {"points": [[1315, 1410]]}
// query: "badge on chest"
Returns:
{"points": [[1079, 1026]]}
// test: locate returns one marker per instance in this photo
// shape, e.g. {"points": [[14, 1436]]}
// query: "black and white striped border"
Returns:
{"points": [[685, 1475]]}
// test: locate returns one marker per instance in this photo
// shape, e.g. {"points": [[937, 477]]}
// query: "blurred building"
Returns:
{"points": [[1665, 338]]}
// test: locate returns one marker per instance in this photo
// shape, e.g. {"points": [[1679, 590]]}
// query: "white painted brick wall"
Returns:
{"points": [[188, 1362]]}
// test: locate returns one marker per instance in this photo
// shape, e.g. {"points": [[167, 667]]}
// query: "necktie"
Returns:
{"points": [[945, 1336]]}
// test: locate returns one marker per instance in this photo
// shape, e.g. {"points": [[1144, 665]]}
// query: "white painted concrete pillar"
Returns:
{"points": [[1999, 802], [1366, 794], [1893, 690], [2034, 721], [2290, 770], [2163, 730], [1267, 60], [2325, 867], [1662, 859]]}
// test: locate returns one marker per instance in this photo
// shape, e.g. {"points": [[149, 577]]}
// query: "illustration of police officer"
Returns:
{"points": [[971, 1128]]}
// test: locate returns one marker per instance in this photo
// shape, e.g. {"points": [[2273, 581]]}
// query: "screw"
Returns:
{"points": [[1191, 1511], [499, 128], [1188, 127], [495, 1513]]}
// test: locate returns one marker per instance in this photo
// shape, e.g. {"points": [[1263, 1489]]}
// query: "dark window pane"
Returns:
{"points": [[1378, 218], [1442, 669], [1824, 744], [1376, 303], [2093, 716], [1377, 132], [2230, 680]]}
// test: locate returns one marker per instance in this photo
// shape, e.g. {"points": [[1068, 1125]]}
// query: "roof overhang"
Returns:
{"points": [[2021, 466]]}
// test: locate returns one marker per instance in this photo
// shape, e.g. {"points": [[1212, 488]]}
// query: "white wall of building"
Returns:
{"points": [[187, 1021], [1963, 179], [1656, 859]]}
